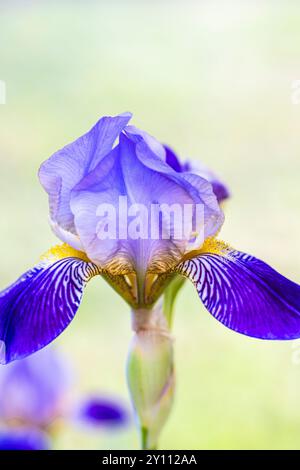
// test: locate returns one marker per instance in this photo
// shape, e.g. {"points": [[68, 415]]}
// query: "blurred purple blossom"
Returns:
{"points": [[36, 394]]}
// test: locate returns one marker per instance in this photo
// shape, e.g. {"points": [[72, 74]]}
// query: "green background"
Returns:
{"points": [[212, 79]]}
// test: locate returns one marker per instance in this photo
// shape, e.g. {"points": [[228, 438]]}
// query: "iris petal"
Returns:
{"points": [[173, 160], [40, 305], [220, 190], [135, 170], [197, 186], [246, 294], [61, 172]]}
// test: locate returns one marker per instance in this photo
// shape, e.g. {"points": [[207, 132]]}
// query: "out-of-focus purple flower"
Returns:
{"points": [[94, 170], [34, 390], [219, 187], [35, 393], [102, 412], [23, 439]]}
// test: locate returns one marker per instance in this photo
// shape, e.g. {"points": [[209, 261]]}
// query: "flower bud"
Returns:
{"points": [[150, 375]]}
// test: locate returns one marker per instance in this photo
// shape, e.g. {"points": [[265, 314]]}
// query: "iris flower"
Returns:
{"points": [[115, 162], [36, 401]]}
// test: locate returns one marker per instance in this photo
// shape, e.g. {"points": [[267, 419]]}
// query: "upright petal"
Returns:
{"points": [[136, 169], [244, 293], [197, 186], [219, 188], [61, 172], [40, 305], [173, 160], [138, 135], [101, 187]]}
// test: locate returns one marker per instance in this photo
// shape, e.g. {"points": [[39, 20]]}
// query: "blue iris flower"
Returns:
{"points": [[97, 187], [239, 290]]}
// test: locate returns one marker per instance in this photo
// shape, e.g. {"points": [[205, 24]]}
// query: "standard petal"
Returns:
{"points": [[220, 190], [173, 160], [67, 237], [127, 171], [137, 135], [245, 294], [40, 305], [197, 186], [101, 187], [61, 172]]}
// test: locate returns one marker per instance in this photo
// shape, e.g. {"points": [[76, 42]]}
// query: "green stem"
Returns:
{"points": [[169, 298], [145, 437]]}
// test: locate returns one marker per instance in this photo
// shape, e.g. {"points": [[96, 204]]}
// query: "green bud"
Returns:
{"points": [[150, 374]]}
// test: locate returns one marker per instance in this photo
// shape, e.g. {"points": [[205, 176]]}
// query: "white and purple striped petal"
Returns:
{"points": [[246, 294], [40, 305]]}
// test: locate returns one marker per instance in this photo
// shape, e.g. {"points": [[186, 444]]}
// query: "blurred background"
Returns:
{"points": [[215, 81]]}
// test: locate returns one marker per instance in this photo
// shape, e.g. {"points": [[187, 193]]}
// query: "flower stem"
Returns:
{"points": [[145, 440]]}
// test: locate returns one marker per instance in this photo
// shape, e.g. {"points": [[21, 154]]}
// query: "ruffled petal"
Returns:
{"points": [[40, 305], [67, 237], [61, 172], [100, 187], [173, 160], [135, 169], [220, 190], [197, 186], [245, 294], [138, 135]]}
